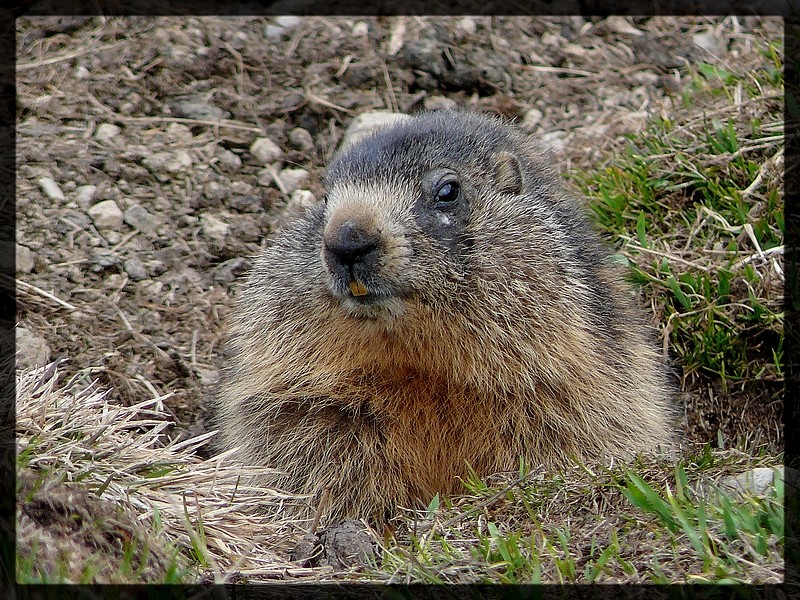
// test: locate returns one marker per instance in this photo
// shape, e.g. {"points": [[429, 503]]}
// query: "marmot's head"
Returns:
{"points": [[417, 210]]}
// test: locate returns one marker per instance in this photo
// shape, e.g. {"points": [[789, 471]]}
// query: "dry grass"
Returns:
{"points": [[82, 456]]}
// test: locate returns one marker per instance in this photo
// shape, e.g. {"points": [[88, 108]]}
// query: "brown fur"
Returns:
{"points": [[500, 330]]}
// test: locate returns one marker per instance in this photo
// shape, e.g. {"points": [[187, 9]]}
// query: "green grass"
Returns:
{"points": [[697, 211], [643, 523]]}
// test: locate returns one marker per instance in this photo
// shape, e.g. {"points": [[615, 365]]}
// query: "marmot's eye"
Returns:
{"points": [[448, 192]]}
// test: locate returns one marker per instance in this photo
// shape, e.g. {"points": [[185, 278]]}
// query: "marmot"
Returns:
{"points": [[448, 304]]}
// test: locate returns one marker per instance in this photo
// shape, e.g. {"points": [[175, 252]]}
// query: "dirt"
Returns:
{"points": [[143, 191]]}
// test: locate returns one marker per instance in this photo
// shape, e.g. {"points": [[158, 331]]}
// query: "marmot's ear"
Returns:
{"points": [[508, 173]]}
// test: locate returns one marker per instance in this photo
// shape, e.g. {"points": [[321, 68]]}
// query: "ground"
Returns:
{"points": [[146, 183]]}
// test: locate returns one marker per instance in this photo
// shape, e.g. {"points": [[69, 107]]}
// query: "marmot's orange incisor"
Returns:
{"points": [[448, 304]]}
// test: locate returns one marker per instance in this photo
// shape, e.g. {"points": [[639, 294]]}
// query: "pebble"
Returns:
{"points": [[265, 177], [301, 201], [273, 32], [555, 140], [135, 268], [231, 270], [25, 259], [106, 132], [466, 26], [214, 227], [138, 217], [198, 109], [265, 150], [360, 29], [755, 481], [246, 203], [156, 267], [106, 215], [32, 350], [710, 42], [112, 236], [242, 188], [287, 21], [301, 139], [293, 179], [531, 119], [439, 103], [215, 191], [229, 161], [102, 259], [51, 189], [179, 132], [169, 162], [368, 122]]}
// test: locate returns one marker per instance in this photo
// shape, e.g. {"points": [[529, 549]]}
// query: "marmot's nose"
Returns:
{"points": [[350, 243]]}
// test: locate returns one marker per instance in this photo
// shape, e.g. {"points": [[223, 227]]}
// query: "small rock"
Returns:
{"points": [[466, 26], [301, 139], [168, 162], [112, 236], [243, 228], [229, 161], [84, 195], [138, 218], [188, 221], [24, 258], [238, 40], [273, 32], [265, 151], [619, 24], [555, 140], [293, 179], [106, 132], [368, 122], [360, 29], [155, 267], [247, 203], [341, 546], [179, 132], [266, 177], [215, 191], [135, 268], [300, 202], [81, 72], [102, 259], [439, 103], [51, 189], [710, 42], [213, 227], [241, 188], [106, 215], [198, 109], [532, 119], [151, 288], [32, 350], [754, 481], [231, 270], [287, 22]]}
